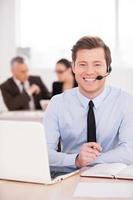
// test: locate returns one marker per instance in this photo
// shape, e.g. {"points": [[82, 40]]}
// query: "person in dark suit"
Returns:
{"points": [[66, 79], [21, 91]]}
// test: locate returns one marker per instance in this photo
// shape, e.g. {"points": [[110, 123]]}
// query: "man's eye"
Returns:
{"points": [[82, 64], [97, 64]]}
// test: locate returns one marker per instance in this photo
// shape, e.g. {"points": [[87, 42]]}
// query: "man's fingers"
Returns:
{"points": [[88, 156], [88, 153], [94, 145], [84, 160], [91, 150], [94, 151], [91, 146]]}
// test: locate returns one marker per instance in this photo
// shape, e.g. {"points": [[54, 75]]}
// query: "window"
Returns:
{"points": [[51, 27], [126, 32]]}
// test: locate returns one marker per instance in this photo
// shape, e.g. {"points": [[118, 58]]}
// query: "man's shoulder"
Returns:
{"points": [[65, 96], [121, 94], [70, 92], [31, 77], [35, 80], [7, 83], [62, 101]]}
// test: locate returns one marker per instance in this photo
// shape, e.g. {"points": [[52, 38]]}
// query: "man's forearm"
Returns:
{"points": [[122, 154], [61, 159]]}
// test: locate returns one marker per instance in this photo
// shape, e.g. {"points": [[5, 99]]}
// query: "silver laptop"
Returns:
{"points": [[23, 153]]}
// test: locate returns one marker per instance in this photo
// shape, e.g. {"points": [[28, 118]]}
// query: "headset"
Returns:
{"points": [[109, 69], [100, 77]]}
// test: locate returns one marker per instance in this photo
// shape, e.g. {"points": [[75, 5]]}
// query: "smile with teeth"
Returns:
{"points": [[89, 80]]}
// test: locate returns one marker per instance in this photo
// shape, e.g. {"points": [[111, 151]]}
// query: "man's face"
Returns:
{"points": [[20, 71], [88, 65]]}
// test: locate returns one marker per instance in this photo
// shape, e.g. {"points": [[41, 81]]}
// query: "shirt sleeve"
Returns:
{"points": [[51, 125], [123, 152]]}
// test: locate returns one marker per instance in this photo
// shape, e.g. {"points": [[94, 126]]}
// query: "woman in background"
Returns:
{"points": [[66, 79]]}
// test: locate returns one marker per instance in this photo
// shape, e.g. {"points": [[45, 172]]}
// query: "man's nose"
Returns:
{"points": [[90, 69]]}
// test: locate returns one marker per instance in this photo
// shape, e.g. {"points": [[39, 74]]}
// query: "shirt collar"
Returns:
{"points": [[97, 100], [18, 82]]}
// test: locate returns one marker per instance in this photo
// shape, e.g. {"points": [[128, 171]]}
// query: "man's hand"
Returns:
{"points": [[34, 89], [88, 153]]}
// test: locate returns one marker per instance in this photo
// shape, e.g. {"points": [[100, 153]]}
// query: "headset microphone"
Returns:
{"points": [[100, 77]]}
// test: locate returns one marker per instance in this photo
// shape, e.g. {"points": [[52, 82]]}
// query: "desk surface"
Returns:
{"points": [[22, 115], [64, 190]]}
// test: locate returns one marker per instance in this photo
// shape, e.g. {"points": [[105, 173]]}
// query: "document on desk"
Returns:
{"points": [[109, 170], [104, 190]]}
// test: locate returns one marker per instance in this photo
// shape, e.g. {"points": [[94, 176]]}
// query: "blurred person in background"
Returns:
{"points": [[66, 78], [2, 105], [21, 91]]}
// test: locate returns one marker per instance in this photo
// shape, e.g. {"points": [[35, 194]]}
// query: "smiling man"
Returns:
{"points": [[94, 122]]}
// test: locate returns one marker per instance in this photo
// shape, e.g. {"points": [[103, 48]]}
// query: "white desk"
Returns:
{"points": [[64, 190], [10, 190], [22, 115]]}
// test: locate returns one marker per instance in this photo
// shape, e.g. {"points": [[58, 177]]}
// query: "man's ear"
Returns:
{"points": [[73, 67], [12, 69]]}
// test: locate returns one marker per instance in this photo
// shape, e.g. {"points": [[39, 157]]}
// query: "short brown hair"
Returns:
{"points": [[89, 42], [18, 59]]}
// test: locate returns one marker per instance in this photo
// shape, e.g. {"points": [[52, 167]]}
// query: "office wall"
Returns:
{"points": [[120, 77], [7, 35]]}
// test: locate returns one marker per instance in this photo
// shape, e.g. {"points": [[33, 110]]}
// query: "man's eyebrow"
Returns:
{"points": [[83, 61], [98, 61]]}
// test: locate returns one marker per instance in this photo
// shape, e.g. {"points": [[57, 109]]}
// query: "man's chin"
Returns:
{"points": [[89, 89]]}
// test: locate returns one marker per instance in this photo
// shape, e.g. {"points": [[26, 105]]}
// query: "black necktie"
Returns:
{"points": [[26, 106], [91, 125], [23, 88]]}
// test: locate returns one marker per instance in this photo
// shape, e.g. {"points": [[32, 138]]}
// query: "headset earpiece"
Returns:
{"points": [[109, 69]]}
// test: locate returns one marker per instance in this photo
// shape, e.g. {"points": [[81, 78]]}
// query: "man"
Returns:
{"points": [[93, 121], [2, 105], [21, 91]]}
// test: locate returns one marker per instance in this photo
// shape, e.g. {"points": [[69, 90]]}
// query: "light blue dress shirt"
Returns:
{"points": [[66, 118]]}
